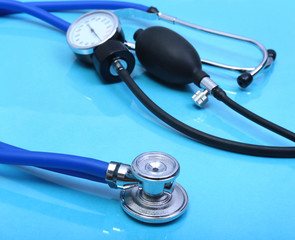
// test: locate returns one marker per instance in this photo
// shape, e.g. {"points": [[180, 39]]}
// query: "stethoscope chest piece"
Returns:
{"points": [[157, 198], [162, 209]]}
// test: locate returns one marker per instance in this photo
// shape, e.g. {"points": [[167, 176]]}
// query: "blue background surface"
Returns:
{"points": [[51, 102]]}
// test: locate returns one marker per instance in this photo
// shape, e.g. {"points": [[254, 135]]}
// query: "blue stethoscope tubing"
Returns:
{"points": [[36, 12], [82, 167], [39, 9], [78, 5], [77, 166]]}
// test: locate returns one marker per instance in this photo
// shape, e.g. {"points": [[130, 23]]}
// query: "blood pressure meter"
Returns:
{"points": [[91, 30]]}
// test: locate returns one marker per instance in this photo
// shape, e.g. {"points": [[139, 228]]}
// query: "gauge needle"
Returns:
{"points": [[92, 30]]}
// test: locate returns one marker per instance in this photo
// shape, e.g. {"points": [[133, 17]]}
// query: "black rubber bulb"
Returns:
{"points": [[168, 56]]}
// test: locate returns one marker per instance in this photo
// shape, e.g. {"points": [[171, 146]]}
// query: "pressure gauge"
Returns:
{"points": [[92, 29]]}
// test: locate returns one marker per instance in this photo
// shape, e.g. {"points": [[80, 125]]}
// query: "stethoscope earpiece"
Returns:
{"points": [[272, 54], [244, 80]]}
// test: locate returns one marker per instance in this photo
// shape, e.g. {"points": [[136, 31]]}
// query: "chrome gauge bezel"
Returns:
{"points": [[83, 50]]}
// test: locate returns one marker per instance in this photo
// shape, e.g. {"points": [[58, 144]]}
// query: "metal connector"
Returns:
{"points": [[129, 45], [208, 84], [119, 175], [117, 65], [201, 96]]}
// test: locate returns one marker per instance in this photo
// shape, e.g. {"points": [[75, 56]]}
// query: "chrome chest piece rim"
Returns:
{"points": [[156, 198], [162, 209]]}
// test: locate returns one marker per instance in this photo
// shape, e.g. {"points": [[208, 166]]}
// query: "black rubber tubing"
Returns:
{"points": [[219, 94], [202, 137]]}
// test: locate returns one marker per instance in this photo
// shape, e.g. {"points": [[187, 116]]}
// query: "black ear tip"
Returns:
{"points": [[272, 53], [244, 80]]}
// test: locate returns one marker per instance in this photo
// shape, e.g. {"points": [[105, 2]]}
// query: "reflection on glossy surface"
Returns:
{"points": [[50, 102]]}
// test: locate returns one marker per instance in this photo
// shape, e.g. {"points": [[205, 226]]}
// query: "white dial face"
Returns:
{"points": [[92, 29]]}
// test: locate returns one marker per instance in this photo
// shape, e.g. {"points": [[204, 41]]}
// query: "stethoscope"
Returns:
{"points": [[149, 192]]}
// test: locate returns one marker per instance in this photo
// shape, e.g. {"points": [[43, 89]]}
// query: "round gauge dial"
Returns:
{"points": [[91, 30]]}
